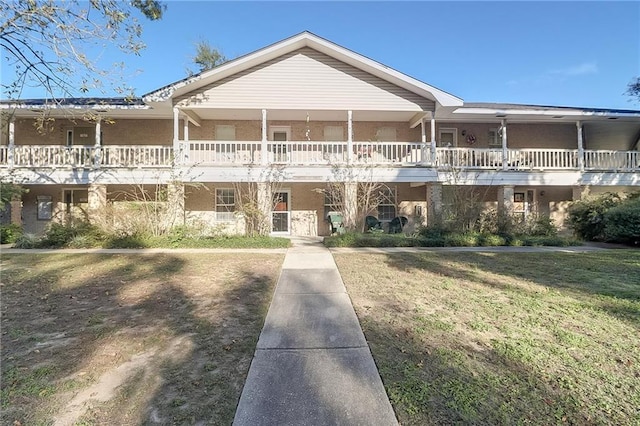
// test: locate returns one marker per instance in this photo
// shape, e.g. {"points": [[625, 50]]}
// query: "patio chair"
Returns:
{"points": [[396, 224], [336, 222], [372, 222]]}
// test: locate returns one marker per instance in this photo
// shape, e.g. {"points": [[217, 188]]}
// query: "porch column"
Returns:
{"points": [[505, 199], [265, 206], [16, 210], [175, 200], [350, 205], [97, 144], [579, 192], [185, 138], [505, 151], [263, 147], [97, 203], [433, 140], [349, 136], [12, 142], [423, 139], [176, 136], [580, 147], [434, 203]]}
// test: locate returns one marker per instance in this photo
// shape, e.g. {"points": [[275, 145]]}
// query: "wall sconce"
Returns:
{"points": [[464, 133], [542, 193]]}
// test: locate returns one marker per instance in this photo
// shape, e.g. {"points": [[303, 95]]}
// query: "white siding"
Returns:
{"points": [[306, 79]]}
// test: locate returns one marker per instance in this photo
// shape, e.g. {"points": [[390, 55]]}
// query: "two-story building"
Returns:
{"points": [[301, 112]]}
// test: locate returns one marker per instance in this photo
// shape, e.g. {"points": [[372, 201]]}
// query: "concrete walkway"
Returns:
{"points": [[312, 365]]}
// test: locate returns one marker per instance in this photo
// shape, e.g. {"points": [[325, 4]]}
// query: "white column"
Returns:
{"points": [[185, 138], [264, 137], [12, 142], [349, 136], [505, 151], [580, 147], [505, 199], [433, 140], [423, 150], [97, 144], [350, 205], [434, 203], [176, 136]]}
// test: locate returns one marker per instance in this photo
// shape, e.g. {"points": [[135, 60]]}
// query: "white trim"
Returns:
{"points": [[452, 130], [279, 129], [305, 39], [215, 204]]}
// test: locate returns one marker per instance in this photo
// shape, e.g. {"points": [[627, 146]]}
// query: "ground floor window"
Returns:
{"points": [[387, 204], [45, 207], [225, 204], [331, 204]]}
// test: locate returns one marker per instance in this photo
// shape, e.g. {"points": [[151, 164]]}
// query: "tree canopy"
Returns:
{"points": [[207, 57], [56, 45], [633, 89]]}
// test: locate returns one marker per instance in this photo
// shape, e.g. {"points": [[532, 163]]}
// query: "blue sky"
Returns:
{"points": [[546, 53]]}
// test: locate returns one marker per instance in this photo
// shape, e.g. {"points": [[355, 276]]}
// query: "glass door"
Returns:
{"points": [[281, 214]]}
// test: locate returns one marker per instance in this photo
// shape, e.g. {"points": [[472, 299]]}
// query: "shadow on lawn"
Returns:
{"points": [[612, 274], [438, 383], [61, 336]]}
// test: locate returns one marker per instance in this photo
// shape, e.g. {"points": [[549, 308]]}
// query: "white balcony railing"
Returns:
{"points": [[612, 160], [239, 153], [53, 156], [134, 155]]}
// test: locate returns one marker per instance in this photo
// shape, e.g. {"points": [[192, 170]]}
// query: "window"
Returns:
{"points": [[495, 137], [45, 207], [225, 204], [386, 134], [225, 132], [333, 133], [448, 137], [386, 204], [331, 204]]}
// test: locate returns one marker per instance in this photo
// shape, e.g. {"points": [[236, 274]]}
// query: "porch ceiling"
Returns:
{"points": [[301, 115]]}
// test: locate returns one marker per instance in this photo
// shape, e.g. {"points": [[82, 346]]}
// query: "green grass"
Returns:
{"points": [[503, 338]]}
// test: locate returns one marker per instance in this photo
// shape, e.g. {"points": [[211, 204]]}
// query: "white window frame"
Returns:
{"points": [[221, 129], [495, 139], [331, 132], [386, 134], [389, 200], [451, 130], [229, 214]]}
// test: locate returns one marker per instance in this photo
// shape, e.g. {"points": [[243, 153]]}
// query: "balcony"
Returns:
{"points": [[308, 153]]}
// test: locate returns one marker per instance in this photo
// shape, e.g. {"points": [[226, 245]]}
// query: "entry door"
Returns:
{"points": [[280, 134], [281, 214]]}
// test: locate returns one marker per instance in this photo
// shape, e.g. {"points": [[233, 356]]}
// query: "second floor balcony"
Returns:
{"points": [[307, 153]]}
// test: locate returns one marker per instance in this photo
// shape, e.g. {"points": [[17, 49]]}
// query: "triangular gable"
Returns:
{"points": [[305, 39], [305, 79]]}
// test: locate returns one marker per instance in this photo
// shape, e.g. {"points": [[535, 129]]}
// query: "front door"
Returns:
{"points": [[281, 214]]}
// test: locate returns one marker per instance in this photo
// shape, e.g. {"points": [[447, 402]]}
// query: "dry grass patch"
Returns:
{"points": [[503, 338], [130, 339]]}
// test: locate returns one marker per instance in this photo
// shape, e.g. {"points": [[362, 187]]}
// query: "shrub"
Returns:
{"points": [[10, 233], [622, 222], [492, 240], [61, 235], [586, 217], [27, 241]]}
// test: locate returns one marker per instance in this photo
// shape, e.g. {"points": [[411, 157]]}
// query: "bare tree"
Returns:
{"points": [[633, 89], [56, 45]]}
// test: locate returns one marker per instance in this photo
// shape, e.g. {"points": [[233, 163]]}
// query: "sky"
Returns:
{"points": [[581, 54]]}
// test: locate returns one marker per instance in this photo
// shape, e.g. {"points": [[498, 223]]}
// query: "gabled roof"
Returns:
{"points": [[304, 39]]}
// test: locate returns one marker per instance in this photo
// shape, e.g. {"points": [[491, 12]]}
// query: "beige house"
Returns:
{"points": [[301, 113]]}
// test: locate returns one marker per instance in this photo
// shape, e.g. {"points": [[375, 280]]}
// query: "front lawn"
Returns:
{"points": [[503, 338], [130, 339]]}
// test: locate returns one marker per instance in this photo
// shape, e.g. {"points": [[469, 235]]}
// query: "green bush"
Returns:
{"points": [[27, 241], [468, 239], [492, 240], [622, 222], [61, 235], [10, 233], [586, 217]]}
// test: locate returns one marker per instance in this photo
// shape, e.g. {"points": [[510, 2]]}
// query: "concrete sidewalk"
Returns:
{"points": [[312, 365]]}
